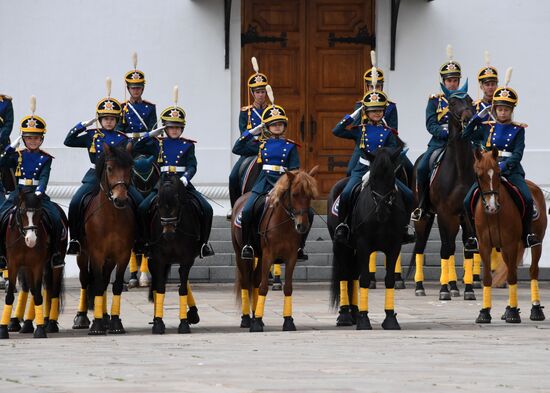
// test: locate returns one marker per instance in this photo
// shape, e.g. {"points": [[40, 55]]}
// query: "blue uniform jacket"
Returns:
{"points": [[255, 117], [277, 155], [131, 125], [437, 115], [34, 167], [6, 120]]}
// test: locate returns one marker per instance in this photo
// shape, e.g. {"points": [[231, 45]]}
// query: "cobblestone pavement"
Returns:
{"points": [[439, 349]]}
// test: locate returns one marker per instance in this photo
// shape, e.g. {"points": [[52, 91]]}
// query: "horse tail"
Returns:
{"points": [[411, 264], [342, 263], [90, 290]]}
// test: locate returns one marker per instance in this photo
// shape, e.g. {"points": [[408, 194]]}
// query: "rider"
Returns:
{"points": [[276, 154], [437, 124], [509, 138], [6, 126], [488, 83], [108, 114], [250, 117], [32, 172], [370, 135], [176, 157]]}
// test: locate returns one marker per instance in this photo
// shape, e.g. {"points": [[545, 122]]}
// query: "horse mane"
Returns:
{"points": [[302, 182], [382, 164], [119, 154]]}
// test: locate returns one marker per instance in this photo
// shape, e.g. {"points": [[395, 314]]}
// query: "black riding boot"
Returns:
{"points": [[206, 248], [420, 211], [529, 238], [248, 251], [471, 244], [74, 231]]}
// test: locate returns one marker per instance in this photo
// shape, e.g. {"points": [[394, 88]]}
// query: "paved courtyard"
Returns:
{"points": [[439, 349]]}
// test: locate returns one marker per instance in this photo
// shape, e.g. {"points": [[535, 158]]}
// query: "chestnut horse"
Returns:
{"points": [[498, 224], [281, 229], [109, 226]]}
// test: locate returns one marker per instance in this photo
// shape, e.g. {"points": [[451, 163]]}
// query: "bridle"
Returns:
{"points": [[108, 190], [19, 220]]}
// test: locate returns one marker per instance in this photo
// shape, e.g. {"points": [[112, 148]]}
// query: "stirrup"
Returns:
{"points": [[532, 241], [341, 233], [247, 252], [417, 214], [471, 245], [229, 215], [206, 250], [56, 261], [74, 247]]}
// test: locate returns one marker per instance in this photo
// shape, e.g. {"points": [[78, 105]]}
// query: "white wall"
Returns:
{"points": [[62, 50], [513, 31]]}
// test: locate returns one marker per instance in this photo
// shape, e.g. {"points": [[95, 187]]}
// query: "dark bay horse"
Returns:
{"points": [[446, 199], [377, 225], [175, 228], [498, 224], [28, 253], [109, 225], [281, 229]]}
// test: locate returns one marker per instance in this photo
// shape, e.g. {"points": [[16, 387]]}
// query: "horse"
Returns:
{"points": [[175, 229], [145, 175], [109, 226], [29, 253], [282, 225], [449, 185], [377, 225], [498, 224]]}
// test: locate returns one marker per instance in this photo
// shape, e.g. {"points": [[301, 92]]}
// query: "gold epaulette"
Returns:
{"points": [[293, 142], [436, 95], [45, 153], [189, 140], [489, 122], [148, 102], [520, 124], [245, 108], [5, 97]]}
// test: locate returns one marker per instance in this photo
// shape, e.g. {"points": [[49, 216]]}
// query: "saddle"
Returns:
{"points": [[354, 195], [434, 162], [514, 193], [246, 172], [258, 212]]}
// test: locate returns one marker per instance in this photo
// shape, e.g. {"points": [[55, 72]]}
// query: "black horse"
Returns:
{"points": [[175, 230], [377, 225]]}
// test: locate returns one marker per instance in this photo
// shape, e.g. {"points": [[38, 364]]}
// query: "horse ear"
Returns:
{"points": [[477, 154], [129, 147], [106, 148], [314, 171], [494, 151], [290, 175]]}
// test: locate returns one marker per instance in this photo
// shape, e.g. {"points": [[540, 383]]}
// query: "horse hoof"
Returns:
{"points": [[4, 332], [124, 287], [444, 295], [106, 319], [183, 328], [81, 320], [115, 325], [400, 284], [97, 328], [484, 316], [354, 310], [257, 325], [372, 285], [158, 326], [288, 325], [503, 317], [419, 289], [144, 280], [469, 295], [536, 313], [455, 292], [363, 322], [477, 284], [246, 321], [277, 286], [27, 327], [193, 315], [133, 283], [52, 326], [40, 332], [390, 322], [14, 325], [345, 317], [512, 316]]}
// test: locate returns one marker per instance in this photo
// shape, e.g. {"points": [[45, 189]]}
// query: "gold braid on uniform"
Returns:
{"points": [[363, 129], [259, 160], [19, 162], [97, 134], [159, 160]]}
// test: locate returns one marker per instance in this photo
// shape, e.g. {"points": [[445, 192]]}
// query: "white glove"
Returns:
{"points": [[156, 131], [88, 123], [38, 193], [357, 113], [16, 142], [184, 181], [258, 129]]}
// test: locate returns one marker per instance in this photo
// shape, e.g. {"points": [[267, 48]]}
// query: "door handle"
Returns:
{"points": [[302, 128], [313, 124]]}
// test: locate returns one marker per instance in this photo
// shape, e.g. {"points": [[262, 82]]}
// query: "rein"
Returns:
{"points": [[110, 188], [484, 203]]}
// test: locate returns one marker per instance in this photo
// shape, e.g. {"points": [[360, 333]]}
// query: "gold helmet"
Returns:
{"points": [[487, 73], [451, 68], [506, 95], [134, 77], [33, 125]]}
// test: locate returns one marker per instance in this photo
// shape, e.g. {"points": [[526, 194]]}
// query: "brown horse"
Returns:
{"points": [[109, 223], [498, 224], [28, 252], [281, 228]]}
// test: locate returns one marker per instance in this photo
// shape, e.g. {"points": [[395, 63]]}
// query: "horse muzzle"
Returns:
{"points": [[30, 237], [301, 228]]}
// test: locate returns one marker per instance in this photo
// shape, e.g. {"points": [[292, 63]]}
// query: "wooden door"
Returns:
{"points": [[314, 53]]}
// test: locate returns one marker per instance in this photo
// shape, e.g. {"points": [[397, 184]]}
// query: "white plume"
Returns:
{"points": [[374, 77], [449, 52], [134, 60], [269, 91], [487, 58], [33, 104], [176, 95], [508, 76], [373, 58], [255, 65], [108, 84]]}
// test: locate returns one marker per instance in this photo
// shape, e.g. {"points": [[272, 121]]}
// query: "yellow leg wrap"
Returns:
{"points": [[46, 302], [487, 297], [30, 311], [190, 297], [468, 271], [535, 295], [183, 307], [133, 263], [21, 304], [115, 305], [372, 263], [54, 309], [277, 269], [260, 307], [355, 293], [496, 259], [245, 302], [363, 299], [5, 274], [452, 269], [389, 302], [82, 306], [6, 314], [255, 295], [144, 268], [477, 264], [419, 274], [39, 311], [98, 307], [159, 305], [287, 307], [255, 263], [513, 295], [398, 268], [344, 295], [444, 278]]}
